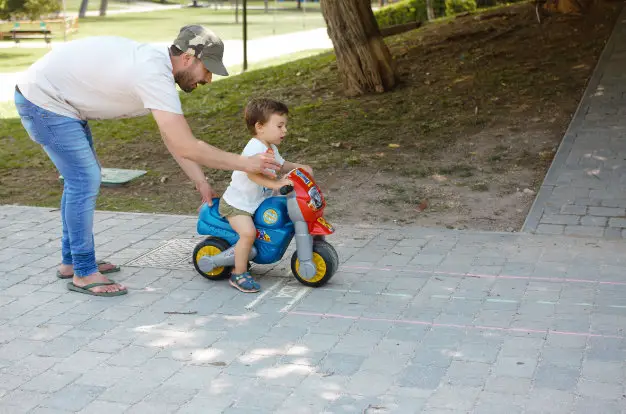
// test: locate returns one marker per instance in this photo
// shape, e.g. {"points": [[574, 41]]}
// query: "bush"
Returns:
{"points": [[406, 11], [32, 9], [459, 6]]}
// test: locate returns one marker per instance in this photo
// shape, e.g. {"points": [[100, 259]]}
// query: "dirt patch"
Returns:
{"points": [[464, 141]]}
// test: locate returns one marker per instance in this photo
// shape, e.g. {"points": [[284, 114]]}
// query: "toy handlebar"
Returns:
{"points": [[286, 189]]}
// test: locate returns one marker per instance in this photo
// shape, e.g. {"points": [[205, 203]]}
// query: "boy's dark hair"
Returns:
{"points": [[260, 110]]}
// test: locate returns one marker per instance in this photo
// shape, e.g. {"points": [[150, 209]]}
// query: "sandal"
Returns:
{"points": [[99, 263], [86, 289], [244, 282]]}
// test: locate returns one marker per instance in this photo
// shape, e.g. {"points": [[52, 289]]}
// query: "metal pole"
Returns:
{"points": [[245, 35], [64, 23]]}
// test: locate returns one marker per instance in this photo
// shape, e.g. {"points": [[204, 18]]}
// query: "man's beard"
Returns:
{"points": [[183, 79]]}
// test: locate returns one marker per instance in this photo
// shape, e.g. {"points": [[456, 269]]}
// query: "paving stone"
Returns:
{"points": [[422, 376], [556, 377], [574, 209], [560, 219], [585, 231], [73, 398]]}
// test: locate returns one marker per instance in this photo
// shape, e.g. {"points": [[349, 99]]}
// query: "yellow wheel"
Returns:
{"points": [[325, 260], [211, 246]]}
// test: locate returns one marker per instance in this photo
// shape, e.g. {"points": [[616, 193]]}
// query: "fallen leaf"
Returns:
{"points": [[335, 144], [218, 363], [422, 206], [303, 140], [380, 154], [394, 146]]}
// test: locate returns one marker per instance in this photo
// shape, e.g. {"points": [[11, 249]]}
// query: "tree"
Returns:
{"points": [[31, 9], [103, 7], [430, 11], [82, 12], [363, 59]]}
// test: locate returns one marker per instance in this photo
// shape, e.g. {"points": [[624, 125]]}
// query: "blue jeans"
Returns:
{"points": [[69, 145]]}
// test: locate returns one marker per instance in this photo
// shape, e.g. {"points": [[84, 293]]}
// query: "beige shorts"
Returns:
{"points": [[226, 210]]}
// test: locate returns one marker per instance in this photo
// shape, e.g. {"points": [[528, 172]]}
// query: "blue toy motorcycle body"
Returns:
{"points": [[278, 220]]}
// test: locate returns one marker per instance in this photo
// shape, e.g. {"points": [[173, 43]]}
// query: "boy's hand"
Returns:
{"points": [[283, 182], [308, 169]]}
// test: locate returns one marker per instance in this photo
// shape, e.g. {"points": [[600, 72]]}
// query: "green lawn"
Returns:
{"points": [[18, 59], [141, 27]]}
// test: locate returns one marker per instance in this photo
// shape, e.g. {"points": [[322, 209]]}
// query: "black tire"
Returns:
{"points": [[211, 243], [322, 239], [323, 252]]}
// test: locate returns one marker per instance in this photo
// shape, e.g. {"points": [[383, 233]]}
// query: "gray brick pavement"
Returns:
{"points": [[436, 321], [584, 192]]}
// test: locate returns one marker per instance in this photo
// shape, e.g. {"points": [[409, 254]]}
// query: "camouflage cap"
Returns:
{"points": [[202, 43]]}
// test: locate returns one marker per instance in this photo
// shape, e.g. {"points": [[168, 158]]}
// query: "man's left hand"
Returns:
{"points": [[206, 192]]}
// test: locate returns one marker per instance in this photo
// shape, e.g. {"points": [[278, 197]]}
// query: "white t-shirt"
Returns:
{"points": [[104, 77], [243, 193]]}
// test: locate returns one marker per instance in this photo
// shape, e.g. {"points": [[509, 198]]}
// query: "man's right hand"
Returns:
{"points": [[264, 164]]}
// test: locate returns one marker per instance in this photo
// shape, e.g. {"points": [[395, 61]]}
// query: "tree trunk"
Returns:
{"points": [[568, 6], [83, 8], [103, 7], [363, 59], [267, 9], [430, 12], [299, 4]]}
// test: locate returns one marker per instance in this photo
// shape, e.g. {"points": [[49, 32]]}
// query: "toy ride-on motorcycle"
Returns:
{"points": [[278, 219]]}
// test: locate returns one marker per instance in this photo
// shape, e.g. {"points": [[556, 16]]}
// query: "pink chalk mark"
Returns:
{"points": [[478, 275], [447, 325]]}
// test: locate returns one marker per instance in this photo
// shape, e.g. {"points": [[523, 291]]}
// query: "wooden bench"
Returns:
{"points": [[19, 34]]}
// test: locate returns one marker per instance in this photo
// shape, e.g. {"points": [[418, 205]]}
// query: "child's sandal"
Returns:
{"points": [[244, 282]]}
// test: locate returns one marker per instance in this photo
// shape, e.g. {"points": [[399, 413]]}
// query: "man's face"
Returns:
{"points": [[193, 74]]}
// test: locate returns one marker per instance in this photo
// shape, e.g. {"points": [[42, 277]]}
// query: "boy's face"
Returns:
{"points": [[274, 130]]}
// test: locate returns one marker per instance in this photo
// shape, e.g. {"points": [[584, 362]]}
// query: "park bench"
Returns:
{"points": [[19, 34]]}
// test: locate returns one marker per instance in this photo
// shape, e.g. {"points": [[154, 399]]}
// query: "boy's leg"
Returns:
{"points": [[244, 226]]}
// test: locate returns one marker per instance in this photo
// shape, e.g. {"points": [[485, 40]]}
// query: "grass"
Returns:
{"points": [[140, 27], [18, 59], [457, 104]]}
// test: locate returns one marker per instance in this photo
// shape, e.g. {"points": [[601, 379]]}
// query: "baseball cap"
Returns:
{"points": [[202, 43]]}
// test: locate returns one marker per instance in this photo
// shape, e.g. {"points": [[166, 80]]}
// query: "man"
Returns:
{"points": [[108, 78]]}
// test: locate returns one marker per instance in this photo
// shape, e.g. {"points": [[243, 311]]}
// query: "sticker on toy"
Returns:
{"points": [[262, 235], [304, 178], [326, 224], [270, 216]]}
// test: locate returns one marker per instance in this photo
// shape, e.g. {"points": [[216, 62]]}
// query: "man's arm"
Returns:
{"points": [[195, 174], [180, 141]]}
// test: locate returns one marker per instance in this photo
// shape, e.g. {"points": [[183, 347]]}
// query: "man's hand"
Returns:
{"points": [[206, 192], [263, 164]]}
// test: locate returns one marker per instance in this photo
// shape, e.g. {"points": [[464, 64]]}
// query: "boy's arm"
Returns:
{"points": [[288, 166], [267, 182]]}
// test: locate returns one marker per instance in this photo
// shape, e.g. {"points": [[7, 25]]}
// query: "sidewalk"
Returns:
{"points": [[415, 320], [258, 50], [584, 192]]}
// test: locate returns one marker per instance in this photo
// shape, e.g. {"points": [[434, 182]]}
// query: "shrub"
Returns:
{"points": [[406, 11], [459, 6]]}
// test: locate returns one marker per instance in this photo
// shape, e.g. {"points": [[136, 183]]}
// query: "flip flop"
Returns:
{"points": [[85, 289], [99, 263]]}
